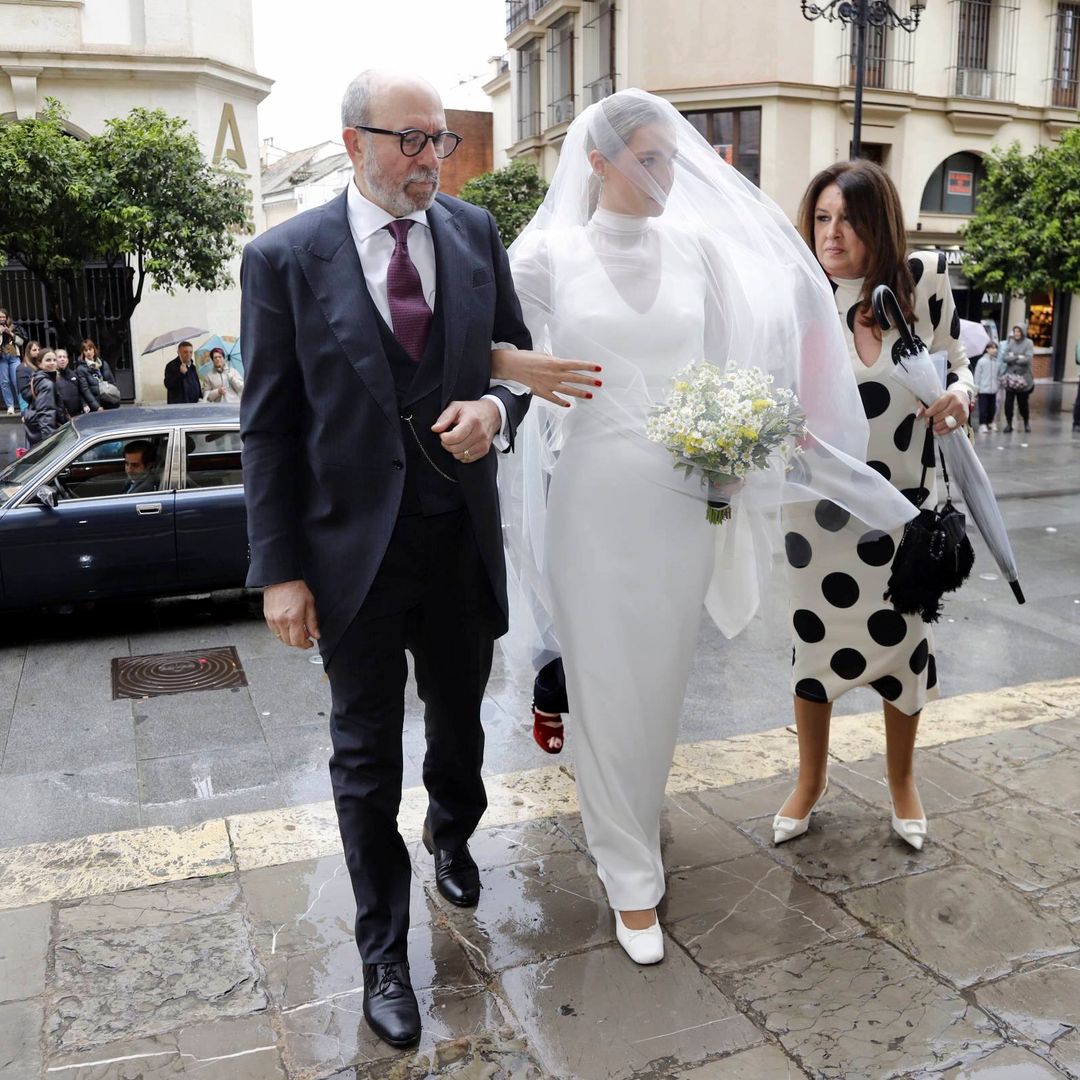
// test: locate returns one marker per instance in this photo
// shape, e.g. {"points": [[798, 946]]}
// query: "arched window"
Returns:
{"points": [[953, 187]]}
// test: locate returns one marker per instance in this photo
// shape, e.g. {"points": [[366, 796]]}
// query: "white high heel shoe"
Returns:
{"points": [[642, 946], [787, 828], [911, 830]]}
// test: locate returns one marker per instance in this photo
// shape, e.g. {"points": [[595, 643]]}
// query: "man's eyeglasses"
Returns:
{"points": [[413, 140]]}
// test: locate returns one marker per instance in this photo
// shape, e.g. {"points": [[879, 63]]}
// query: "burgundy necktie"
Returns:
{"points": [[405, 294]]}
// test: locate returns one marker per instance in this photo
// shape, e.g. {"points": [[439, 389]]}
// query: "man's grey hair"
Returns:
{"points": [[356, 104]]}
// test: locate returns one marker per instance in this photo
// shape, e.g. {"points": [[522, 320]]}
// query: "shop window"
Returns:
{"points": [[735, 134], [953, 187]]}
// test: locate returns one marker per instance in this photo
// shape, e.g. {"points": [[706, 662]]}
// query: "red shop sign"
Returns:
{"points": [[960, 183]]}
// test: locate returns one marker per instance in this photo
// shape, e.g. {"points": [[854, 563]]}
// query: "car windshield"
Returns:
{"points": [[17, 473]]}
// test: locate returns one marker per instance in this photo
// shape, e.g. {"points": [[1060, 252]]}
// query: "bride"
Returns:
{"points": [[650, 253]]}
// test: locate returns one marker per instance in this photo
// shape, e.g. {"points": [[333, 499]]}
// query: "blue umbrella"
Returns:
{"points": [[231, 348]]}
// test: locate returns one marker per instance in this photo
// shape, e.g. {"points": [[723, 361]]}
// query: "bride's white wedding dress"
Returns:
{"points": [[629, 555]]}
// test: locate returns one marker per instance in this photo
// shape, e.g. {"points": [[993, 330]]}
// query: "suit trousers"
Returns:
{"points": [[431, 597]]}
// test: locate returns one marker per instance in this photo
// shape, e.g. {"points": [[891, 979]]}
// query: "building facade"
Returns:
{"points": [[774, 94], [101, 58]]}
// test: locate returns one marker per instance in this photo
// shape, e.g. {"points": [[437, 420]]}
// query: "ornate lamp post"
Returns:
{"points": [[863, 14]]}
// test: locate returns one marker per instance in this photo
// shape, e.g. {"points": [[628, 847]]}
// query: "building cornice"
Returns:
{"points": [[154, 67]]}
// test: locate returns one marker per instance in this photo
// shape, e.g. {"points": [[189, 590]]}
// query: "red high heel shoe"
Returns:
{"points": [[548, 731]]}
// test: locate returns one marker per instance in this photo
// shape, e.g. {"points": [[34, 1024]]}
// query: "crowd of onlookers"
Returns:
{"points": [[43, 385]]}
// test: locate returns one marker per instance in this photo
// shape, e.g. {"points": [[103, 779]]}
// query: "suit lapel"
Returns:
{"points": [[453, 270], [333, 271]]}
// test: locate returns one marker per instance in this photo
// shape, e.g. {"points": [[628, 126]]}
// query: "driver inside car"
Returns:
{"points": [[140, 467]]}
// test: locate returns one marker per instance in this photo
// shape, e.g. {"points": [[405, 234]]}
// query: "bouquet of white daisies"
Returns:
{"points": [[725, 425]]}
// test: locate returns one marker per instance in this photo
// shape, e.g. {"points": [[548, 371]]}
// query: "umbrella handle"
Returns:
{"points": [[889, 314]]}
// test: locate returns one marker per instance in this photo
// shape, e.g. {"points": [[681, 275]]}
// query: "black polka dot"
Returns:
{"points": [[876, 548], [798, 550], [942, 265], [810, 690], [902, 434], [882, 468], [808, 626], [841, 590], [935, 310], [792, 655], [852, 312], [931, 673], [915, 496], [848, 663], [919, 657], [928, 452], [830, 516], [889, 687], [954, 326], [875, 398], [917, 269], [887, 627], [951, 378]]}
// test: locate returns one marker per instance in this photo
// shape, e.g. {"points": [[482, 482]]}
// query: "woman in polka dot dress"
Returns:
{"points": [[845, 633]]}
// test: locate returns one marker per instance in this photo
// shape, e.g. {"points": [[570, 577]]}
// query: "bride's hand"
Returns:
{"points": [[546, 376]]}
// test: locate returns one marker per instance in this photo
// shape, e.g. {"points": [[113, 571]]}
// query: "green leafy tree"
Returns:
{"points": [[141, 190], [1025, 234], [512, 194]]}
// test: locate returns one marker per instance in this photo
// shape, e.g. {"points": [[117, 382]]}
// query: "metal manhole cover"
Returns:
{"points": [[177, 672]]}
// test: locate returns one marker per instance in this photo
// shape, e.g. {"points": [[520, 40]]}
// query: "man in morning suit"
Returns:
{"points": [[368, 418]]}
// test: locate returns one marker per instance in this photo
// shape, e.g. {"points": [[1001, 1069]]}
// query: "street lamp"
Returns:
{"points": [[863, 14]]}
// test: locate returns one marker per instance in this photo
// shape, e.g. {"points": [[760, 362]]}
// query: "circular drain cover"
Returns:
{"points": [[177, 673]]}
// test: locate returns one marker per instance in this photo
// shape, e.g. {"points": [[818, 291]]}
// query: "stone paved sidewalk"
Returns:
{"points": [[842, 954]]}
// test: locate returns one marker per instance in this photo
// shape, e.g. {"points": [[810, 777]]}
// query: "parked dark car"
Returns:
{"points": [[74, 526]]}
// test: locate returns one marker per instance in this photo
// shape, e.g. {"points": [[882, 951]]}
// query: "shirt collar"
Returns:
{"points": [[366, 219]]}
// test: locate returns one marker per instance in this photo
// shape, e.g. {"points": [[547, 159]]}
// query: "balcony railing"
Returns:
{"points": [[518, 11], [890, 57], [599, 89], [561, 111], [985, 35], [1065, 94], [529, 125]]}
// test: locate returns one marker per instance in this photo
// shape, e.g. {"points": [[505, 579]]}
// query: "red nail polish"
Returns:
{"points": [[588, 395], [598, 383]]}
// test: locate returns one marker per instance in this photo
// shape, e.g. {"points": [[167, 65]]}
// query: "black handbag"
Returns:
{"points": [[934, 556]]}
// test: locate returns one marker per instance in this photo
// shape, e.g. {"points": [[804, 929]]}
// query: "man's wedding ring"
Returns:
{"points": [[465, 456], [950, 422]]}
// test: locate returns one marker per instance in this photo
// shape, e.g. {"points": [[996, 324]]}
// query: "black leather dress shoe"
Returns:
{"points": [[456, 874], [390, 1004]]}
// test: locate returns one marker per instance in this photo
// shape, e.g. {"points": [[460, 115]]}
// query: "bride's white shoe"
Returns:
{"points": [[787, 828], [642, 946]]}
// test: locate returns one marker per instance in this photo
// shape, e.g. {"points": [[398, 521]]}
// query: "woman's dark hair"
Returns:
{"points": [[89, 341], [26, 352], [216, 350], [874, 211]]}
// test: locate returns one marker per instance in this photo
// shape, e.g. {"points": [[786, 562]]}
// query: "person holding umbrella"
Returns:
{"points": [[181, 380], [845, 635], [222, 383]]}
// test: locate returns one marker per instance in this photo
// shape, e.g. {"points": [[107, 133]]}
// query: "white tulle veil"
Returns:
{"points": [[766, 302]]}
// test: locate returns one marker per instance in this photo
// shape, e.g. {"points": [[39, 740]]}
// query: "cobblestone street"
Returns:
{"points": [[225, 950]]}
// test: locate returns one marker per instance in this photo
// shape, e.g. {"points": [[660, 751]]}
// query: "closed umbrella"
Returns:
{"points": [[173, 337], [914, 368]]}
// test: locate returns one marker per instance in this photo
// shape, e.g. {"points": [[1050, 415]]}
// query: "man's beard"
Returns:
{"points": [[396, 200]]}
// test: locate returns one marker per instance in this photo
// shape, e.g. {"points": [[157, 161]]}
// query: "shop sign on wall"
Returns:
{"points": [[960, 183]]}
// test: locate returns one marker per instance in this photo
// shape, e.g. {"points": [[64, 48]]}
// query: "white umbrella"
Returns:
{"points": [[173, 337], [915, 369]]}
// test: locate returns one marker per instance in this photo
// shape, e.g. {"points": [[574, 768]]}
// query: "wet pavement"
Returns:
{"points": [[74, 762], [843, 954]]}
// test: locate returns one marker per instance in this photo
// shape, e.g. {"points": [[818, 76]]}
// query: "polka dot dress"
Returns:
{"points": [[845, 633]]}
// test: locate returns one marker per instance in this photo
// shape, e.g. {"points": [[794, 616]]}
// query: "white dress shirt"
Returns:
{"points": [[375, 245]]}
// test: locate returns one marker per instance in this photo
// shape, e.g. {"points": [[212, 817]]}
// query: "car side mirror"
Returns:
{"points": [[46, 496]]}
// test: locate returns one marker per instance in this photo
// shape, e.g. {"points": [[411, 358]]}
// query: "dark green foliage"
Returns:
{"points": [[511, 194], [141, 189], [1025, 234]]}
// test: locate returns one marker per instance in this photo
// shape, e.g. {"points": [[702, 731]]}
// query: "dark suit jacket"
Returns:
{"points": [[323, 440]]}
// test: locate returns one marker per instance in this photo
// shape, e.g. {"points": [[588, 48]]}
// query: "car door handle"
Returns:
{"points": [[148, 508]]}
